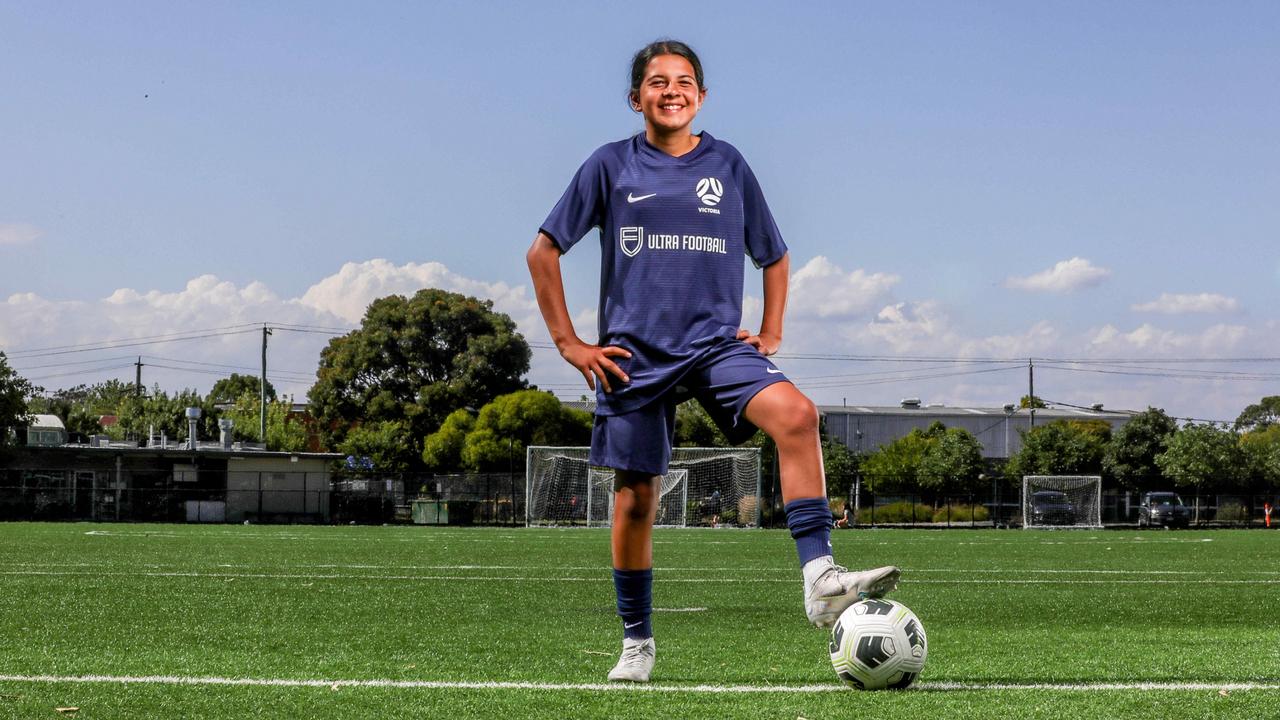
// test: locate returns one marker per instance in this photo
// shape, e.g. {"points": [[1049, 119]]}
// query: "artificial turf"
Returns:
{"points": [[1004, 610]]}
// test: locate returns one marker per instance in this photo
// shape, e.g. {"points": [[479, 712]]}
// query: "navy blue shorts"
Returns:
{"points": [[723, 381]]}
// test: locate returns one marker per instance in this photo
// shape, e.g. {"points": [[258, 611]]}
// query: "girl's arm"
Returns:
{"points": [[592, 361], [776, 277]]}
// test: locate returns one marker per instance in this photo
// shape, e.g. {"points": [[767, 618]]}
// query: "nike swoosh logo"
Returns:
{"points": [[773, 371], [630, 625], [637, 198]]}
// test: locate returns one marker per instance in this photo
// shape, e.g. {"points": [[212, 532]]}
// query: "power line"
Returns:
{"points": [[86, 371]]}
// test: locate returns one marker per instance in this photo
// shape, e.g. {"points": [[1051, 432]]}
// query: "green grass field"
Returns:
{"points": [[134, 621]]}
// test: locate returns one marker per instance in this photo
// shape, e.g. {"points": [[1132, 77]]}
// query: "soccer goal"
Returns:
{"points": [[1061, 501], [703, 487]]}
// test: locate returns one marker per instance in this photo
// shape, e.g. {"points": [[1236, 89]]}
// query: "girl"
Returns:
{"points": [[677, 211]]}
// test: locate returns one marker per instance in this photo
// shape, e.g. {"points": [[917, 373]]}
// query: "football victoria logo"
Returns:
{"points": [[710, 191]]}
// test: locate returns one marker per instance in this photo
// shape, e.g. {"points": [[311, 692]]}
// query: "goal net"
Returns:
{"points": [[1061, 501], [703, 487]]}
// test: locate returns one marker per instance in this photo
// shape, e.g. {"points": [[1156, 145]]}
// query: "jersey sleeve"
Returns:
{"points": [[582, 206], [763, 239]]}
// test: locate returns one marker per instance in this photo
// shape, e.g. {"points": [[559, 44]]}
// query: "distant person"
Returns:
{"points": [[677, 211], [845, 519]]}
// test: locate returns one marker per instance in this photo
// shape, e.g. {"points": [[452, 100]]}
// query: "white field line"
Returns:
{"points": [[616, 687], [434, 535], [601, 568], [567, 578]]}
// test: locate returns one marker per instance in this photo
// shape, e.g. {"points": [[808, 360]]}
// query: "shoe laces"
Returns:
{"points": [[633, 654]]}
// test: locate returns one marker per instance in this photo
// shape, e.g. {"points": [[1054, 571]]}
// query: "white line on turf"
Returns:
{"points": [[567, 578], [602, 568], [656, 687]]}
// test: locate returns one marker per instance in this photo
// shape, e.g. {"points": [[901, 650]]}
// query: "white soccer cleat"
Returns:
{"points": [[833, 588], [636, 662]]}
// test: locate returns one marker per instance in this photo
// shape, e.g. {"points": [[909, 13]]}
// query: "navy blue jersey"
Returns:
{"points": [[673, 231]]}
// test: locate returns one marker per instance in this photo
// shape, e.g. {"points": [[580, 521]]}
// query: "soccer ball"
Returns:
{"points": [[878, 644]]}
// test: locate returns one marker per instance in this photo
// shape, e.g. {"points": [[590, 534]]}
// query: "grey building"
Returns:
{"points": [[107, 481], [864, 428]]}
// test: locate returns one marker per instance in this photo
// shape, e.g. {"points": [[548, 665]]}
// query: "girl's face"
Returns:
{"points": [[669, 96]]}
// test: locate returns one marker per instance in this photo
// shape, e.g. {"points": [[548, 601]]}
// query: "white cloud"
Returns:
{"points": [[1216, 341], [348, 292], [885, 327], [1180, 304], [1064, 276], [822, 289], [18, 233]]}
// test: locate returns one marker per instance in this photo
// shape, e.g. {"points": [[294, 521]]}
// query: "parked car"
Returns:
{"points": [[1164, 509], [1051, 507]]}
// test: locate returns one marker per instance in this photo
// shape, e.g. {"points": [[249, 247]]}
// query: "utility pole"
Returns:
{"points": [[262, 388], [137, 378], [1031, 390]]}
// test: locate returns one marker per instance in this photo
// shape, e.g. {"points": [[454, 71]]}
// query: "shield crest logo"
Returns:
{"points": [[631, 239]]}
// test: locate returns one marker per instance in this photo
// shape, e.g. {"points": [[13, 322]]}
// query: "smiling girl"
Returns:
{"points": [[676, 212]]}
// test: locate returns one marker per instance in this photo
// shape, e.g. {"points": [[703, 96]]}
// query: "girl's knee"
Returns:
{"points": [[799, 418]]}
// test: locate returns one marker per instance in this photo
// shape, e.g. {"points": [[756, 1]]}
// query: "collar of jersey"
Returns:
{"points": [[703, 145]]}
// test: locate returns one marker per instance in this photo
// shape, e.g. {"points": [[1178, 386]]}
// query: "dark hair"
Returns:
{"points": [[662, 47]]}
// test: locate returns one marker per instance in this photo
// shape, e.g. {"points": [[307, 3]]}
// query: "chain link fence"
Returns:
{"points": [[498, 499]]}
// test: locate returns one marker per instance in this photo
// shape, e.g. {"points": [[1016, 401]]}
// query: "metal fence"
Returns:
{"points": [[499, 499]]}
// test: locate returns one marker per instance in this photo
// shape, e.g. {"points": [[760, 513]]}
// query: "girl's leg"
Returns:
{"points": [[791, 419], [635, 505]]}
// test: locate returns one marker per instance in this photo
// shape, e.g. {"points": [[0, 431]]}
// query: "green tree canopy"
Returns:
{"points": [[1130, 456], [413, 361], [14, 392], [81, 407], [1261, 450], [1031, 401], [896, 466], [382, 442], [161, 412], [1062, 447], [1199, 456], [442, 450], [286, 432], [496, 439], [1262, 414], [953, 461], [231, 389], [695, 428]]}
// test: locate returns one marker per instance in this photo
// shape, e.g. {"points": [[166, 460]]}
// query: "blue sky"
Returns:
{"points": [[993, 180]]}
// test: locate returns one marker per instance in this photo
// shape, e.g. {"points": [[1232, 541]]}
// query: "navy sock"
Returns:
{"points": [[810, 522], [635, 602]]}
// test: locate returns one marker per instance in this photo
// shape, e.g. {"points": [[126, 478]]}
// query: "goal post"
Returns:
{"points": [[1061, 501], [703, 487]]}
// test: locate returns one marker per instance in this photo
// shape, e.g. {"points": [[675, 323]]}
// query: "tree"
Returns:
{"points": [[1260, 415], [897, 465], [413, 361], [82, 407], [1062, 447], [1261, 450], [165, 414], [953, 461], [286, 432], [383, 442], [1201, 455], [442, 450], [14, 391], [231, 389], [513, 422], [1031, 401], [1130, 456], [695, 428], [840, 465]]}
